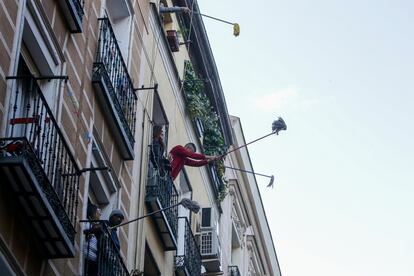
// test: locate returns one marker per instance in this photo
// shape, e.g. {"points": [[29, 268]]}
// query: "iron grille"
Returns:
{"points": [[108, 260], [191, 259], [34, 133], [161, 188], [110, 65]]}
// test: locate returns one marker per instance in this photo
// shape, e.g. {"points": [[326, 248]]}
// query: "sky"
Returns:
{"points": [[341, 74]]}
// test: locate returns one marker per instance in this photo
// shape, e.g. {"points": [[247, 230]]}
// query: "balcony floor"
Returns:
{"points": [[161, 222]]}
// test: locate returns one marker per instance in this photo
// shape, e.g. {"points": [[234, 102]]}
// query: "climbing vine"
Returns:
{"points": [[200, 107]]}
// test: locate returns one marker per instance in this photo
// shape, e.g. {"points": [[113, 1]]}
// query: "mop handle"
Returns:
{"points": [[245, 171], [144, 216], [242, 146], [214, 18]]}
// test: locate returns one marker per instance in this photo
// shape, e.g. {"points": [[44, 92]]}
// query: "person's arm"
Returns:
{"points": [[195, 163], [180, 150], [95, 228]]}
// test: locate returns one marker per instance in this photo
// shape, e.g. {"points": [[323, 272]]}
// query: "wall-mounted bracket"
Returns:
{"points": [[155, 88]]}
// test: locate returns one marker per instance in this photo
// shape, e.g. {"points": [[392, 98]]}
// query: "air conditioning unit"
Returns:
{"points": [[209, 244], [208, 238]]}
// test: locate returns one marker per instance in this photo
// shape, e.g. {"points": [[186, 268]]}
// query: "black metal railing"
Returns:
{"points": [[102, 256], [78, 5], [111, 66], [73, 12], [161, 188], [190, 258], [34, 133], [234, 270]]}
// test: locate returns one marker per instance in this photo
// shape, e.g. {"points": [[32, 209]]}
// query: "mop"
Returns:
{"points": [[277, 126]]}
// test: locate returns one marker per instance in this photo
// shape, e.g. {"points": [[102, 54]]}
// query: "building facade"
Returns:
{"points": [[251, 250], [85, 86]]}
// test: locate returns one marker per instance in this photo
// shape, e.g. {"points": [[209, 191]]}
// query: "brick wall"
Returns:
{"points": [[78, 108]]}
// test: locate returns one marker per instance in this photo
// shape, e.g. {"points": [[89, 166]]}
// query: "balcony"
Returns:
{"points": [[188, 259], [115, 90], [37, 166], [109, 260], [73, 13], [161, 193], [234, 270]]}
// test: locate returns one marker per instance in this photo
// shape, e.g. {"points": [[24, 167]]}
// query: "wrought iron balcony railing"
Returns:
{"points": [[234, 270], [188, 259], [73, 12], [102, 253], [115, 88], [37, 163], [162, 193]]}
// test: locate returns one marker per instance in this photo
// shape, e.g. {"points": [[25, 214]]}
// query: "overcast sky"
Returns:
{"points": [[341, 74]]}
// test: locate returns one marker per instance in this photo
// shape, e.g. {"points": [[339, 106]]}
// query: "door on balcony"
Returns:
{"points": [[23, 93], [120, 13], [29, 67], [31, 117]]}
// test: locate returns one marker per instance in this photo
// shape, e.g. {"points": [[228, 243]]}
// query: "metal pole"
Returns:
{"points": [[144, 216], [242, 146], [215, 18], [237, 169]]}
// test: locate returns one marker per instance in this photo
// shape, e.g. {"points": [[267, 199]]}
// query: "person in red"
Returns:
{"points": [[186, 155]]}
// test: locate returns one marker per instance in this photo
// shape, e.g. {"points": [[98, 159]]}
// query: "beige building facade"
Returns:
{"points": [[251, 249], [84, 87]]}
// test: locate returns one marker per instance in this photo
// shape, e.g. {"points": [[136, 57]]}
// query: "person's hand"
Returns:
{"points": [[213, 158], [210, 158], [186, 9]]}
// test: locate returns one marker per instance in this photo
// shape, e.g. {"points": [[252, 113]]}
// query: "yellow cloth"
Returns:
{"points": [[236, 29]]}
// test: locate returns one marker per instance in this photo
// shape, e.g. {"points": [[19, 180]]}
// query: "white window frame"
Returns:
{"points": [[102, 183], [120, 13]]}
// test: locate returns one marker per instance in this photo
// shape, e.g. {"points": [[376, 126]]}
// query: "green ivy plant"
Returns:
{"points": [[223, 191], [199, 106]]}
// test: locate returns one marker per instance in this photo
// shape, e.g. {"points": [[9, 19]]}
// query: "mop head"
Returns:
{"points": [[236, 29], [191, 205], [272, 179], [278, 125]]}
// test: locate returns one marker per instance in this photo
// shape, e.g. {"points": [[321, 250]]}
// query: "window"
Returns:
{"points": [[160, 127], [103, 186], [159, 117], [41, 55], [185, 191], [120, 13]]}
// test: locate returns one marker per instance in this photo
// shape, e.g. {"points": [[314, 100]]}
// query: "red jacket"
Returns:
{"points": [[182, 156]]}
